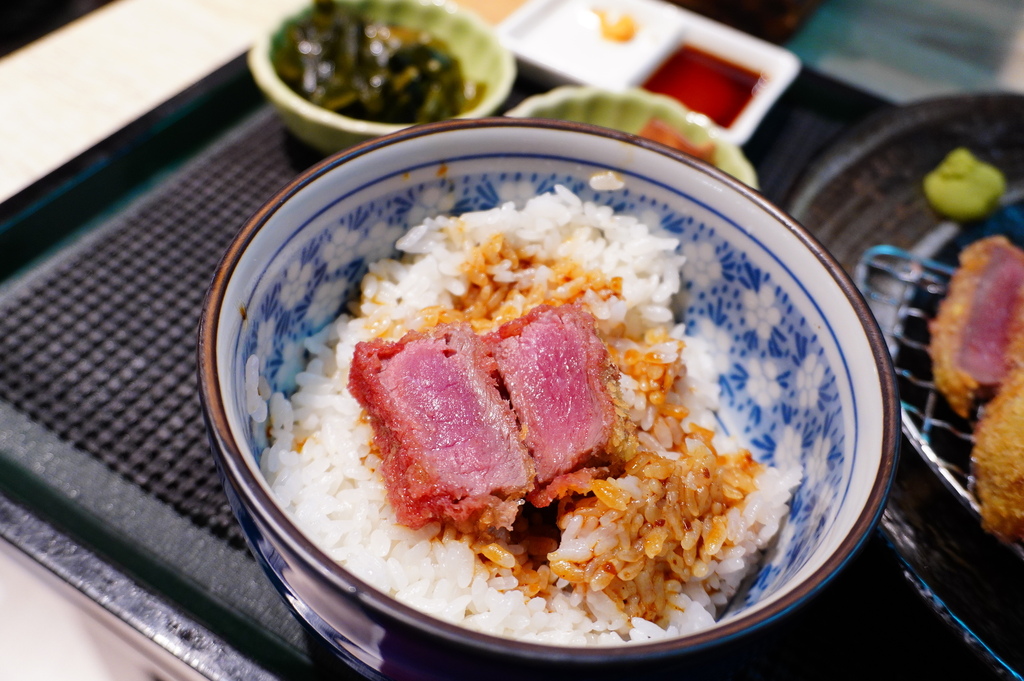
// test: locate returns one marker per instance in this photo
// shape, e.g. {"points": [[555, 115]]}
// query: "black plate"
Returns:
{"points": [[863, 191], [866, 188]]}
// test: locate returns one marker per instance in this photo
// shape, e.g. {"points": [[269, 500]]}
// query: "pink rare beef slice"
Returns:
{"points": [[564, 388], [449, 441]]}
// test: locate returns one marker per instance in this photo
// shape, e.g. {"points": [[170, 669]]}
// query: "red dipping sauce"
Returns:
{"points": [[703, 82]]}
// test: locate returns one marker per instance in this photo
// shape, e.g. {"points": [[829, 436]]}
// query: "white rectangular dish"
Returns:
{"points": [[575, 42]]}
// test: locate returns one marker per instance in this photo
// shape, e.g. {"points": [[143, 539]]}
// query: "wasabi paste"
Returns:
{"points": [[963, 188]]}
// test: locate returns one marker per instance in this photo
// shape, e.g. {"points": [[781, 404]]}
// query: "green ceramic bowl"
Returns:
{"points": [[629, 111], [470, 39]]}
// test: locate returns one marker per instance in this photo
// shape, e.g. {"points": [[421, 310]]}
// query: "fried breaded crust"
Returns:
{"points": [[998, 460], [951, 328]]}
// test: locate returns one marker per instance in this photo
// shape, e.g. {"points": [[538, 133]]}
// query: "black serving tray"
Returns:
{"points": [[106, 479]]}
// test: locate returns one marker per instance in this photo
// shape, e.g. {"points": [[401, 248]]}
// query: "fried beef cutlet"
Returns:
{"points": [[997, 460], [977, 337]]}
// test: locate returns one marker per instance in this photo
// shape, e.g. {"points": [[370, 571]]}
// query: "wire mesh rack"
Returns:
{"points": [[904, 291]]}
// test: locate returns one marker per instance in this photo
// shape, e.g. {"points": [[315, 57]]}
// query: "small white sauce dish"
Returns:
{"points": [[559, 42]]}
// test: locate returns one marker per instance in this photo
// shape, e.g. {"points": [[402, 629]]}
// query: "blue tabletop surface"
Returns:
{"points": [[906, 50]]}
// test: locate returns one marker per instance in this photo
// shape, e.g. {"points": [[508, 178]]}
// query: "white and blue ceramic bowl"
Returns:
{"points": [[805, 370]]}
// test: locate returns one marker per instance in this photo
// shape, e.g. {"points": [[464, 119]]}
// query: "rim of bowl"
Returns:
{"points": [[266, 76], [250, 486]]}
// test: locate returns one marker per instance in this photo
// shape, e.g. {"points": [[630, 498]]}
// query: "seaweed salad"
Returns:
{"points": [[356, 66]]}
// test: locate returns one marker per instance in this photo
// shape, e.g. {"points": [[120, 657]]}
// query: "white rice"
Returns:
{"points": [[323, 469]]}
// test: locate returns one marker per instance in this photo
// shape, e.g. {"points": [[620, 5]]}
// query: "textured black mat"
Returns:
{"points": [[99, 346]]}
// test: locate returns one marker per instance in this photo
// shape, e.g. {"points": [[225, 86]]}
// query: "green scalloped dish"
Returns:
{"points": [[337, 58], [629, 111], [469, 39]]}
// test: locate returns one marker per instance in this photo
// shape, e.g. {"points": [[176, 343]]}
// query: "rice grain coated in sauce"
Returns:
{"points": [[654, 550]]}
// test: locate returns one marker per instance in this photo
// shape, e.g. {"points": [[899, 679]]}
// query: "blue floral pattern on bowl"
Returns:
{"points": [[779, 394]]}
